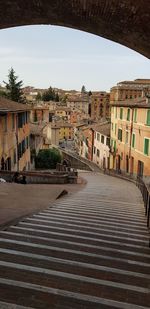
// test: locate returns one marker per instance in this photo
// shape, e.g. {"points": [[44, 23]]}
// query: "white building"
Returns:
{"points": [[101, 145]]}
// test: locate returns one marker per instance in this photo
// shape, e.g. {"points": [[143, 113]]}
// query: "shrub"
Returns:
{"points": [[47, 158]]}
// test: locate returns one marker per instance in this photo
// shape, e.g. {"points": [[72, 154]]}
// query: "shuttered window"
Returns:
{"points": [[148, 117], [146, 146], [133, 140]]}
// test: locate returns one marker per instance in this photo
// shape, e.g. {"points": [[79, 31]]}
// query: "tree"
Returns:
{"points": [[38, 97], [57, 97], [83, 89], [47, 158], [90, 93], [50, 95], [14, 88]]}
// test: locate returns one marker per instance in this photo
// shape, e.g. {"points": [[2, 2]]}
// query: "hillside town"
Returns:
{"points": [[110, 129]]}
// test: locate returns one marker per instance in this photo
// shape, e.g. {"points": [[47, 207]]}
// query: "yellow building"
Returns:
{"points": [[14, 136], [130, 137], [65, 131], [63, 113]]}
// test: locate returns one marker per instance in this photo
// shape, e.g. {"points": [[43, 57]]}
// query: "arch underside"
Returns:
{"points": [[124, 21]]}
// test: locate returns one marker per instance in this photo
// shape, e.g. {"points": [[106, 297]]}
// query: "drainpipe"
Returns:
{"points": [[131, 131], [17, 143]]}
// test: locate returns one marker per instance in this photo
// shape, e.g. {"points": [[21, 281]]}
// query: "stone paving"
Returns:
{"points": [[86, 251]]}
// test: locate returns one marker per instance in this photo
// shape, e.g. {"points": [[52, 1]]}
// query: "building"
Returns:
{"points": [[65, 131], [14, 136], [99, 106], [128, 90], [101, 149], [63, 113], [79, 103], [130, 137], [86, 139], [40, 114]]}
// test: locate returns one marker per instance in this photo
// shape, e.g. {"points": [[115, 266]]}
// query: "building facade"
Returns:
{"points": [[101, 149], [129, 90], [99, 106], [130, 137], [14, 136]]}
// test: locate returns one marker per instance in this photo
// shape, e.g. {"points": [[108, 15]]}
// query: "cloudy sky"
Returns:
{"points": [[66, 58]]}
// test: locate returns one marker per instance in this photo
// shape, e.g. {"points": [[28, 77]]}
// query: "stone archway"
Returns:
{"points": [[122, 21]]}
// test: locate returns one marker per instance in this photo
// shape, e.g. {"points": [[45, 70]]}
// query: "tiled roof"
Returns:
{"points": [[11, 106], [103, 128]]}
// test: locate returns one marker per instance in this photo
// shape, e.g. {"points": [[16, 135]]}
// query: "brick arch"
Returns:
{"points": [[122, 21]]}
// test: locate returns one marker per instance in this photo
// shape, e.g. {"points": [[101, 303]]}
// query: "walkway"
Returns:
{"points": [[88, 251]]}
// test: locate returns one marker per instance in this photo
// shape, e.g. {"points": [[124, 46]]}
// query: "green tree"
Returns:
{"points": [[49, 95], [83, 89], [38, 97], [47, 158], [57, 97], [14, 88]]}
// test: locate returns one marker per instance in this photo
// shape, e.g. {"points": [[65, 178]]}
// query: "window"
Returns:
{"points": [[115, 128], [135, 115], [98, 137], [5, 124], [146, 146], [133, 140], [15, 157], [13, 121], [98, 153], [121, 113], [102, 139], [120, 135], [127, 137], [108, 141], [94, 149], [148, 118], [128, 114], [115, 146], [116, 112]]}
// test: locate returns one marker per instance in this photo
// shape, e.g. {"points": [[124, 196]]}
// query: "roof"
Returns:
{"points": [[140, 103], [11, 106], [36, 129], [103, 128]]}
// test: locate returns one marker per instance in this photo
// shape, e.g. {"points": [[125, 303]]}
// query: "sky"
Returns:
{"points": [[44, 56]]}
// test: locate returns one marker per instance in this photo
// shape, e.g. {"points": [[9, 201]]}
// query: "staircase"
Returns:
{"points": [[89, 251]]}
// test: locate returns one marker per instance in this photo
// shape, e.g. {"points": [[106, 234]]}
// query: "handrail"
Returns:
{"points": [[145, 191]]}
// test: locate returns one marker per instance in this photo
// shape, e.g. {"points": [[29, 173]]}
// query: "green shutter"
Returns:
{"points": [[133, 140], [146, 146], [120, 135], [115, 128], [135, 114], [114, 145], [128, 114], [121, 113], [148, 118]]}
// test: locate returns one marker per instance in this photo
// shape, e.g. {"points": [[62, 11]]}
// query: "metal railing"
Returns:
{"points": [[145, 191]]}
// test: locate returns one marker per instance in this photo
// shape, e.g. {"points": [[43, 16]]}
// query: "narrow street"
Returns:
{"points": [[88, 250]]}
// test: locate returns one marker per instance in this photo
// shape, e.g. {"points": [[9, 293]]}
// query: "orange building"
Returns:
{"points": [[14, 136], [130, 137]]}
